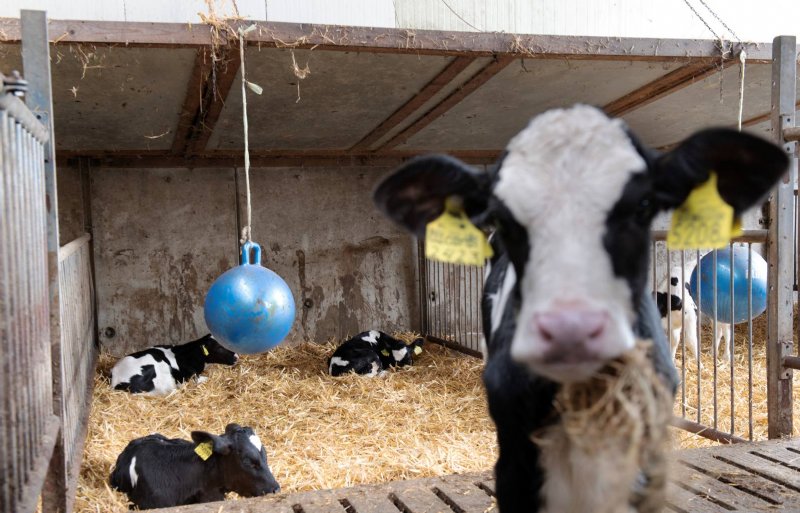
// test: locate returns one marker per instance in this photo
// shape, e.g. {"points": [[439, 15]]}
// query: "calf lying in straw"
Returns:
{"points": [[571, 203]]}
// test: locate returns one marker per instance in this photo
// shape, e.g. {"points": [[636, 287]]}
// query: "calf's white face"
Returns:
{"points": [[560, 179]]}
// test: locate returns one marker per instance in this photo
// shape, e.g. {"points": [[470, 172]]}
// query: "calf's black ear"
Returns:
{"points": [[415, 194], [747, 167], [220, 444]]}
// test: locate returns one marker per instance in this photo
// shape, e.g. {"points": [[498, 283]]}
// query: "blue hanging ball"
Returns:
{"points": [[724, 294], [249, 309]]}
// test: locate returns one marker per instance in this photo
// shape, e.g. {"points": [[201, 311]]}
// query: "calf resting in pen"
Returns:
{"points": [[158, 370], [372, 352], [158, 472], [571, 202]]}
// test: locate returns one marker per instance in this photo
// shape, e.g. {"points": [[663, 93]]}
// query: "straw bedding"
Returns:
{"points": [[323, 432], [320, 432]]}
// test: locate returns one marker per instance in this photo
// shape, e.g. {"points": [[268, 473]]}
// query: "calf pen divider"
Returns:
{"points": [[47, 305]]}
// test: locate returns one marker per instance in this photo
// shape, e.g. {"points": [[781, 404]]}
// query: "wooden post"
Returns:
{"points": [[780, 244], [36, 66]]}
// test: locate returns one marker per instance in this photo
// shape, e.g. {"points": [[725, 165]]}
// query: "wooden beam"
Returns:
{"points": [[456, 66], [193, 102], [477, 80], [216, 88], [321, 158], [429, 42], [665, 85], [762, 117]]}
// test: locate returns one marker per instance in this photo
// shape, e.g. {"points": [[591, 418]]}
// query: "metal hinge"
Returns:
{"points": [[14, 85]]}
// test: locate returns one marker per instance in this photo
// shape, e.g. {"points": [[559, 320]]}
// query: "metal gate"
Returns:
{"points": [[28, 426], [47, 307]]}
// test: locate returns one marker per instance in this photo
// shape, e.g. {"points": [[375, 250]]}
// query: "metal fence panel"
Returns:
{"points": [[27, 425]]}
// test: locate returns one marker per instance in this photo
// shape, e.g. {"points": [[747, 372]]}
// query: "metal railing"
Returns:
{"points": [[28, 426], [78, 359]]}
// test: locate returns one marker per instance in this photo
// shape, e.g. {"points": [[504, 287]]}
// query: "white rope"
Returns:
{"points": [[246, 231], [742, 60]]}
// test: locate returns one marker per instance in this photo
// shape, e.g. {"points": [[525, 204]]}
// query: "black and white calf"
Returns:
{"points": [[372, 352], [683, 315], [159, 472], [159, 370], [571, 203]]}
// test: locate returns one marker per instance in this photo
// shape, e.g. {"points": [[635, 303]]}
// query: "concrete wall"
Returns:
{"points": [[71, 219], [162, 236]]}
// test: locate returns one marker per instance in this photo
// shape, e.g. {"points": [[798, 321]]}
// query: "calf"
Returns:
{"points": [[571, 203], [683, 317], [158, 370], [372, 352], [159, 472]]}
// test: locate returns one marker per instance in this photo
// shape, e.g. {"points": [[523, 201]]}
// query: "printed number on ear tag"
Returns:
{"points": [[453, 239], [204, 450], [704, 220]]}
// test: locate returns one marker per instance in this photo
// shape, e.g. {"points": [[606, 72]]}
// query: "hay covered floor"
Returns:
{"points": [[320, 432]]}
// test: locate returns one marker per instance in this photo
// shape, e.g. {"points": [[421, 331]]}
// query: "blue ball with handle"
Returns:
{"points": [[249, 309], [724, 292]]}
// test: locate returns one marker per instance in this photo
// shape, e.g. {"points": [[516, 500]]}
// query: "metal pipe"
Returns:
{"points": [[705, 431]]}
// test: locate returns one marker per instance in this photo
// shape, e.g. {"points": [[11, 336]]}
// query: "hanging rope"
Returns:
{"points": [[247, 230], [742, 59]]}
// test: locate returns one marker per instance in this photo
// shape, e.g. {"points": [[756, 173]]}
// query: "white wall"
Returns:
{"points": [[751, 21]]}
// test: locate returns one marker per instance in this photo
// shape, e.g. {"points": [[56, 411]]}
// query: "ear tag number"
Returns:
{"points": [[704, 220], [453, 239], [204, 450], [417, 350], [205, 351]]}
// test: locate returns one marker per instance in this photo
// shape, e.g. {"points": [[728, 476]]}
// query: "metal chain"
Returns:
{"points": [[720, 20]]}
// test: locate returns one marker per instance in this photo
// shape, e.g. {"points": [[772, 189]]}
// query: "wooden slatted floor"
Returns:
{"points": [[747, 477]]}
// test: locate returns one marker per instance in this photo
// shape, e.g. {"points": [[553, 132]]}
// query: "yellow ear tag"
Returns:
{"points": [[452, 238], [385, 352], [417, 350], [204, 450], [205, 351], [704, 220]]}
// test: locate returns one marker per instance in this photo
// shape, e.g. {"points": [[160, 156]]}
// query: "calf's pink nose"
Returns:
{"points": [[570, 326]]}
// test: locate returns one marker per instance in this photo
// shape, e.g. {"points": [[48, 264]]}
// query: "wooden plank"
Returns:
{"points": [[704, 461], [686, 501], [779, 453], [438, 82], [763, 117], [370, 502], [477, 80], [461, 493], [665, 85], [419, 498], [321, 503], [776, 472], [428, 42], [703, 484]]}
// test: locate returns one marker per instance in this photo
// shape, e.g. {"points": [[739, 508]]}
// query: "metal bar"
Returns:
{"points": [[791, 134], [22, 114], [699, 336], [454, 346], [750, 341], [780, 245], [791, 362], [714, 292], [705, 431], [731, 339], [747, 236], [36, 63]]}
